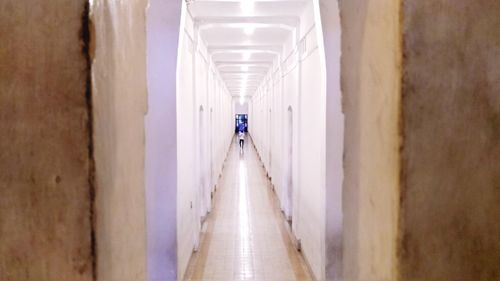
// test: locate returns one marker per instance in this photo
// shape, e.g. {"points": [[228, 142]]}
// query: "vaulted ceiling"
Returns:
{"points": [[244, 37]]}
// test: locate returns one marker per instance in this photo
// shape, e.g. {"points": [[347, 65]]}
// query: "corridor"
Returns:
{"points": [[373, 127], [245, 236]]}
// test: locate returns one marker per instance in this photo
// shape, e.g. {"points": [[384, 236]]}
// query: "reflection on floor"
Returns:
{"points": [[245, 237]]}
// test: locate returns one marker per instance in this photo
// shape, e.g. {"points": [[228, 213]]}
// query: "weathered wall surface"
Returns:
{"points": [[119, 104], [451, 185], [370, 81], [45, 218], [330, 22]]}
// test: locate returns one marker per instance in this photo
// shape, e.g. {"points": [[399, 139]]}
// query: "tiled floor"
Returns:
{"points": [[245, 237]]}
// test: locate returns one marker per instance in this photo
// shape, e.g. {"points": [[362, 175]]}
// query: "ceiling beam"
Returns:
{"points": [[252, 69], [283, 26], [242, 63], [286, 20], [239, 1], [239, 84], [246, 89], [276, 49], [258, 79], [242, 72], [255, 78]]}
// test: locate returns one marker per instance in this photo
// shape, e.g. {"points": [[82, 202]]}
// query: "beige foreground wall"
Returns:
{"points": [[45, 167], [119, 104], [370, 82], [439, 220], [450, 222]]}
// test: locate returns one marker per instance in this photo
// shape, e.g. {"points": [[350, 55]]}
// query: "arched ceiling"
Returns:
{"points": [[244, 37]]}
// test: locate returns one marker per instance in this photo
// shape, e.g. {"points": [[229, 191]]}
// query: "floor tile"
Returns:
{"points": [[245, 236]]}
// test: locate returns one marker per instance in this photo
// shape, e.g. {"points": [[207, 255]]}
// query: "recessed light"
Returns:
{"points": [[249, 30], [247, 6]]}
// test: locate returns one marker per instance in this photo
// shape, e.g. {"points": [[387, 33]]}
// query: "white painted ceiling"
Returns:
{"points": [[243, 37]]}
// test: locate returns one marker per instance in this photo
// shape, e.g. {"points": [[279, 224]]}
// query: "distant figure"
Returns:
{"points": [[241, 127], [241, 136]]}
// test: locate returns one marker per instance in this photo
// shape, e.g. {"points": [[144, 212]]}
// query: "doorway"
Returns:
{"points": [[241, 123]]}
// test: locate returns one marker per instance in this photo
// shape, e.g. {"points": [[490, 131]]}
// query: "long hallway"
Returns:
{"points": [[245, 236], [375, 130]]}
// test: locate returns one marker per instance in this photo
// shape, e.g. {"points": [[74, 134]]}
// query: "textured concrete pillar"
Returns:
{"points": [[330, 21], [421, 89], [119, 92], [450, 185], [45, 142], [371, 91]]}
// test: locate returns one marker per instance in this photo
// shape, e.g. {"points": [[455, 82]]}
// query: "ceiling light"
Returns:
{"points": [[249, 30], [247, 6], [247, 55], [244, 68]]}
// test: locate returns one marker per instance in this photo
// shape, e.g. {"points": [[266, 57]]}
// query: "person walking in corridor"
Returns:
{"points": [[241, 137]]}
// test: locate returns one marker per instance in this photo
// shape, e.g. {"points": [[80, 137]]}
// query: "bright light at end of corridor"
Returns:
{"points": [[244, 68], [247, 6], [246, 55], [249, 30], [242, 100]]}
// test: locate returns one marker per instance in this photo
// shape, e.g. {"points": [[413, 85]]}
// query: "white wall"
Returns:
{"points": [[205, 123], [310, 199], [238, 107], [298, 82], [163, 22]]}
